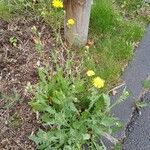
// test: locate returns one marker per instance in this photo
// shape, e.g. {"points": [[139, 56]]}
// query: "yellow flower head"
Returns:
{"points": [[90, 73], [70, 22], [98, 82], [57, 3]]}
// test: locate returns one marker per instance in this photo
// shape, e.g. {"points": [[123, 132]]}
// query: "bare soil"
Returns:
{"points": [[17, 68]]}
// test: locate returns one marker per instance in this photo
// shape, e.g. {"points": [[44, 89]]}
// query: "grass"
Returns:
{"points": [[135, 9], [114, 34], [114, 37], [4, 11], [130, 5], [66, 85]]}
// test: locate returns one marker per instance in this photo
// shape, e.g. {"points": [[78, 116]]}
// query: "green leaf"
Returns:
{"points": [[146, 84], [97, 129], [38, 106], [80, 126], [108, 121], [60, 119], [106, 99], [118, 126], [50, 110], [67, 147], [86, 136], [41, 98], [59, 97], [78, 86], [85, 115], [142, 104], [72, 107], [46, 118], [42, 75], [93, 98], [97, 146], [100, 106]]}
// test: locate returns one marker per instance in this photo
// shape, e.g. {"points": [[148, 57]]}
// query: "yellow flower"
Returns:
{"points": [[70, 22], [57, 3], [90, 73], [98, 82]]}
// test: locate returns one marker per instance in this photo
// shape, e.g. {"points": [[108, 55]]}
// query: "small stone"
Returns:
{"points": [[38, 63]]}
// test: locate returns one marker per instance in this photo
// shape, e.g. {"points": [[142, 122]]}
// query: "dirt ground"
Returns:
{"points": [[17, 68]]}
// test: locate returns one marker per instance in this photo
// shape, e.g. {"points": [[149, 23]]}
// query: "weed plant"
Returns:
{"points": [[74, 112], [115, 39]]}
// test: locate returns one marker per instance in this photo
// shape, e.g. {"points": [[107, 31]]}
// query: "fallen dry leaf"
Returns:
{"points": [[90, 43]]}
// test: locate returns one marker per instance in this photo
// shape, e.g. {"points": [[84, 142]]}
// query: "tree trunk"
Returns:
{"points": [[79, 10]]}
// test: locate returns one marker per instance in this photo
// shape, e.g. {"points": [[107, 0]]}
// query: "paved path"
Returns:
{"points": [[137, 71], [138, 131]]}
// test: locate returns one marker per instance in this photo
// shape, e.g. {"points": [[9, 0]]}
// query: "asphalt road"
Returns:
{"points": [[137, 71], [138, 130]]}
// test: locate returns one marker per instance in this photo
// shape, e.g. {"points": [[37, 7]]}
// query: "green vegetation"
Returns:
{"points": [[130, 5], [135, 9], [76, 112], [146, 84], [15, 121], [115, 38], [10, 101], [75, 108], [13, 41]]}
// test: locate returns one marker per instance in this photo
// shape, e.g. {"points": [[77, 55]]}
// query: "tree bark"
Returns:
{"points": [[79, 10]]}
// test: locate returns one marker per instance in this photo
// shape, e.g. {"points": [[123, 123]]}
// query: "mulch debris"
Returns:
{"points": [[17, 68]]}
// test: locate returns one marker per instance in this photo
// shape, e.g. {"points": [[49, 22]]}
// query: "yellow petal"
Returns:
{"points": [[98, 82], [90, 73], [70, 22], [57, 3]]}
